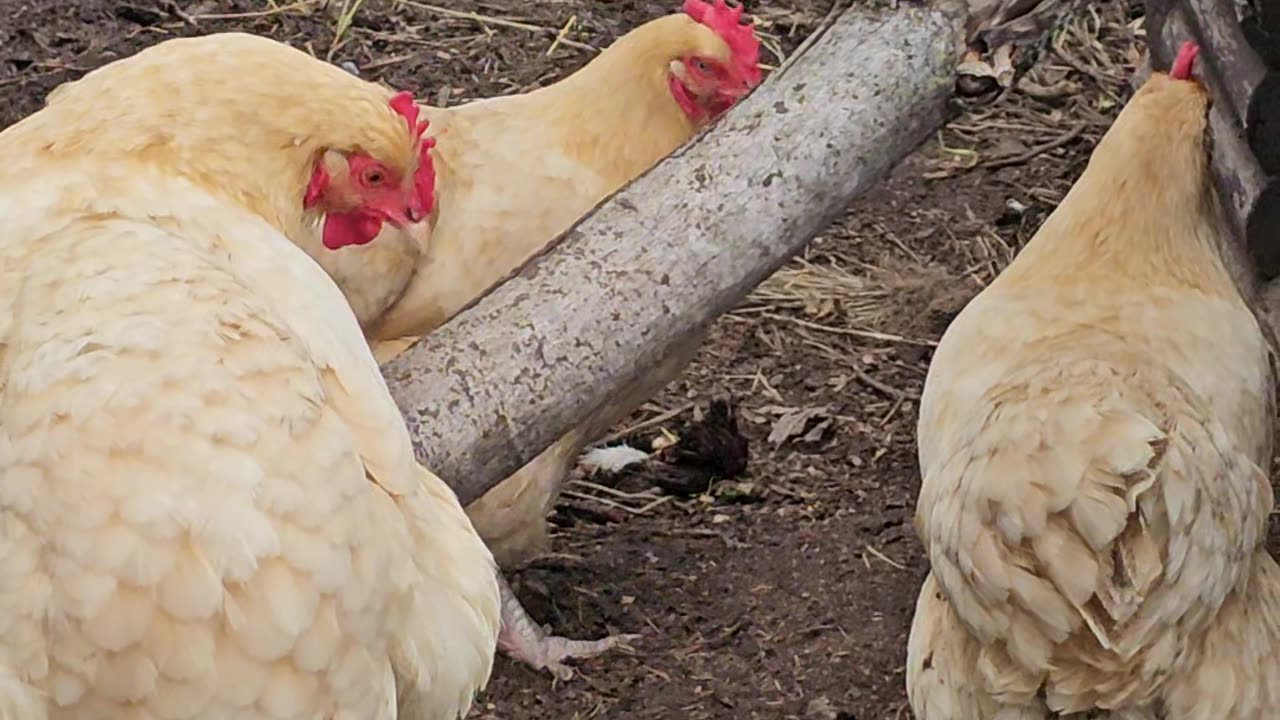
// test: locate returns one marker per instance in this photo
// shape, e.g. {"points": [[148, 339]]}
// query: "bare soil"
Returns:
{"points": [[786, 592]]}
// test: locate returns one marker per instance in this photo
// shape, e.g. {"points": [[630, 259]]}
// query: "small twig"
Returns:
{"points": [[33, 76], [645, 495], [893, 392], [562, 35], [1033, 152], [644, 510], [891, 237], [597, 499], [884, 557], [485, 20], [655, 420], [172, 7], [617, 505], [893, 410], [869, 334], [759, 380], [384, 62], [349, 10], [275, 10]]}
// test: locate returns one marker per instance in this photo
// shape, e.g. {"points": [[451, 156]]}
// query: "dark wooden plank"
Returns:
{"points": [[1261, 26], [1224, 49], [1249, 196], [1263, 229], [1248, 85], [1262, 123]]}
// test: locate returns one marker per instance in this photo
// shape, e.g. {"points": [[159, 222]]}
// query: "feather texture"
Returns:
{"points": [[209, 505], [1092, 438]]}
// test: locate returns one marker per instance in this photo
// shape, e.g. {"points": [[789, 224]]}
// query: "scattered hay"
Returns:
{"points": [[909, 298], [821, 292]]}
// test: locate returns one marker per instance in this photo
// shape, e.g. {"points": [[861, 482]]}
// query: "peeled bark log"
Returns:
{"points": [[679, 246]]}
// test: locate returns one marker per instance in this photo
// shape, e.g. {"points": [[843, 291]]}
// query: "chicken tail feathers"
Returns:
{"points": [[18, 700], [1080, 513]]}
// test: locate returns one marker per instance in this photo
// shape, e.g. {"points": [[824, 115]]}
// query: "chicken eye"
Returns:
{"points": [[701, 65], [373, 178]]}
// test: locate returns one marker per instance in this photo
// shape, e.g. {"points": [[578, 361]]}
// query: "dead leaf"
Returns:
{"points": [[820, 708], [793, 423], [815, 433]]}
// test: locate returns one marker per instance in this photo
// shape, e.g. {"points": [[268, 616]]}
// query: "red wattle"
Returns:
{"points": [[343, 229], [684, 99]]}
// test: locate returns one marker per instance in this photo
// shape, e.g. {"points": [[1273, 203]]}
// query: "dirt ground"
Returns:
{"points": [[787, 592]]}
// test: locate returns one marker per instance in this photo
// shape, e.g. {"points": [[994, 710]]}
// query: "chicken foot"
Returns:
{"points": [[523, 639]]}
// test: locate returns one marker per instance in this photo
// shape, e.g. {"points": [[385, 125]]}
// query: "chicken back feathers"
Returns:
{"points": [[209, 505], [1092, 436]]}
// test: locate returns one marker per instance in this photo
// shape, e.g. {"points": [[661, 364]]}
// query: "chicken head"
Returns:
{"points": [[358, 192], [344, 177], [707, 81]]}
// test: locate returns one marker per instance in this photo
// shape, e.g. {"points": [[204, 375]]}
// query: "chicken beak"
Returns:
{"points": [[727, 96], [415, 211], [733, 93], [399, 218], [402, 216]]}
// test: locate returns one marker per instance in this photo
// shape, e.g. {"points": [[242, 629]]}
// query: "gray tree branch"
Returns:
{"points": [[679, 246]]}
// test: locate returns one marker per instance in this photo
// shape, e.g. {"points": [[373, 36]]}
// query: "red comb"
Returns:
{"points": [[424, 180], [402, 102], [740, 38], [1186, 57]]}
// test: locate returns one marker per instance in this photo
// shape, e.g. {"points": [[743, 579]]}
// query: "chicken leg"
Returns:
{"points": [[523, 639], [511, 518]]}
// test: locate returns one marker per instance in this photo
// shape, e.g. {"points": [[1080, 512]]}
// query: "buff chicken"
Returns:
{"points": [[1093, 438], [209, 505]]}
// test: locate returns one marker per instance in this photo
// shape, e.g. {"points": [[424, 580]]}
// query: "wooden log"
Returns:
{"points": [[1248, 194], [680, 245]]}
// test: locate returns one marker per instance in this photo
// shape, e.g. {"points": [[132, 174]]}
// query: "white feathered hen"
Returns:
{"points": [[209, 506]]}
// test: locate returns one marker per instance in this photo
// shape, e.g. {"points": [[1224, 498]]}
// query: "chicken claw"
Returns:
{"points": [[523, 639]]}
